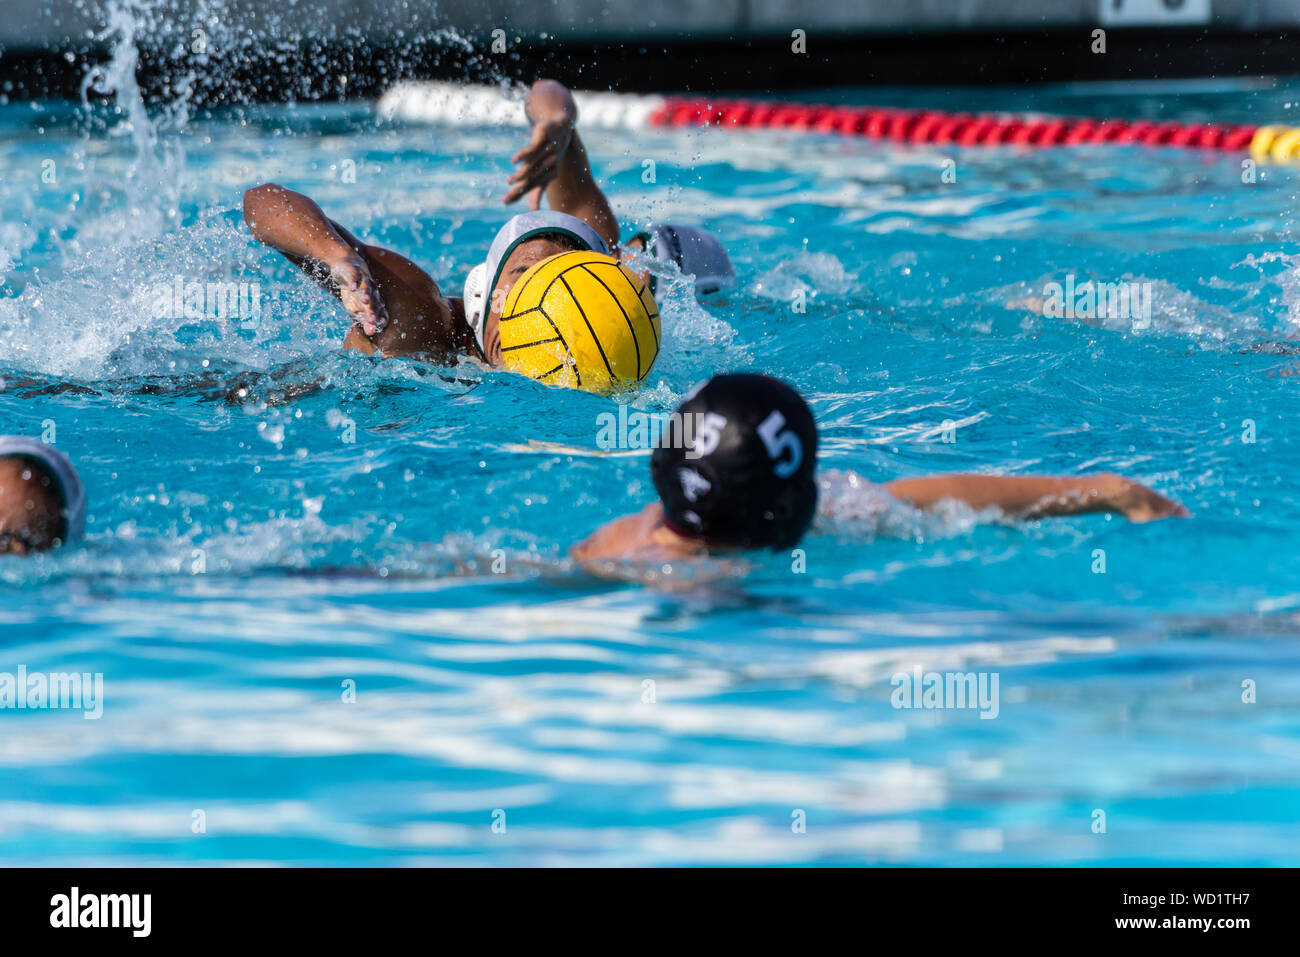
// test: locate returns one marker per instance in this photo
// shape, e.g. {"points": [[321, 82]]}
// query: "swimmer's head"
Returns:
{"points": [[735, 467], [521, 243], [693, 251], [42, 502], [524, 257]]}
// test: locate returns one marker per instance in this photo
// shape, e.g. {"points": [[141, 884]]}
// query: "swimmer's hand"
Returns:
{"points": [[1107, 492], [1138, 503], [358, 293], [551, 110]]}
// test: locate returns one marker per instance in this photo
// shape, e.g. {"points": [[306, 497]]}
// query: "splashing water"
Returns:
{"points": [[153, 180]]}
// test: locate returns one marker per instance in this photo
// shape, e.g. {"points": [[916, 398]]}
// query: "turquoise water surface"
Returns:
{"points": [[274, 523]]}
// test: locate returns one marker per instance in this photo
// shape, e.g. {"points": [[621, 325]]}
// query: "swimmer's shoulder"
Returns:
{"points": [[621, 538]]}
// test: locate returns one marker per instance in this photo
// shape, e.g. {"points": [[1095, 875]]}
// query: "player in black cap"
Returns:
{"points": [[738, 472], [735, 470]]}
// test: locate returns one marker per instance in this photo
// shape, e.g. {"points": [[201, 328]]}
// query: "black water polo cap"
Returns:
{"points": [[735, 466]]}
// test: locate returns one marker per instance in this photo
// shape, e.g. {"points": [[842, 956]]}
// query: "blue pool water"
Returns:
{"points": [[245, 563]]}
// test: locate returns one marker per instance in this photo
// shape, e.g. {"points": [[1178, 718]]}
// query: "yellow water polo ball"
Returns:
{"points": [[581, 320]]}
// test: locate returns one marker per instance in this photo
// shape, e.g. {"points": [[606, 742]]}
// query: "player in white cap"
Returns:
{"points": [[396, 306], [42, 500]]}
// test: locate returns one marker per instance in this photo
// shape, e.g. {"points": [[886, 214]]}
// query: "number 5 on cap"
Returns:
{"points": [[708, 434], [778, 442]]}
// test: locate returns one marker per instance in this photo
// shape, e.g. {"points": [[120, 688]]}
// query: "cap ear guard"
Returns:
{"points": [[476, 301], [791, 514], [694, 480]]}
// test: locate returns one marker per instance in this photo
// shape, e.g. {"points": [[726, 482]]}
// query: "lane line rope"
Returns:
{"points": [[461, 104]]}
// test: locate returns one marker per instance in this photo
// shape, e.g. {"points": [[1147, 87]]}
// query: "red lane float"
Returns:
{"points": [[941, 128]]}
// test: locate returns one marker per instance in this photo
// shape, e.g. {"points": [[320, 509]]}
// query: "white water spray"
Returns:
{"points": [[153, 178]]}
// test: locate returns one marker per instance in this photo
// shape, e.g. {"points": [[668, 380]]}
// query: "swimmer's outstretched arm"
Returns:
{"points": [[555, 161], [1025, 496], [397, 307], [293, 224]]}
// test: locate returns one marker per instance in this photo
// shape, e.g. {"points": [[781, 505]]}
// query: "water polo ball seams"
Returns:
{"points": [[626, 318]]}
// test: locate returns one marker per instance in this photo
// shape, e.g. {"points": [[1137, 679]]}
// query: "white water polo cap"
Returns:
{"points": [[695, 252], [74, 493], [483, 278]]}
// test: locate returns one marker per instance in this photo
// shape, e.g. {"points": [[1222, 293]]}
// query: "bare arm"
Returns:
{"points": [[293, 224], [397, 307], [1039, 496], [555, 160]]}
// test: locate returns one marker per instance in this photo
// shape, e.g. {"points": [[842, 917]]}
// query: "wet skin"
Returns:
{"points": [[31, 508]]}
